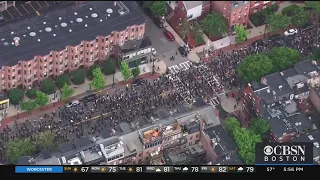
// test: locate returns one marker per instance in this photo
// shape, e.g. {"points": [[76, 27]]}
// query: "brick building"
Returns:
{"points": [[64, 40], [256, 6], [235, 12], [4, 5]]}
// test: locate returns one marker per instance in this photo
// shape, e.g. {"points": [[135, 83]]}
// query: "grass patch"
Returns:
{"points": [[199, 39]]}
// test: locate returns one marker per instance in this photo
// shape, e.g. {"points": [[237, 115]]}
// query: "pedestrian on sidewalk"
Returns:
{"points": [[164, 55], [176, 52], [249, 31]]}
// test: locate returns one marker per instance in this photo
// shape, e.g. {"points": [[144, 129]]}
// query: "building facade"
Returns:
{"points": [[190, 9], [235, 12], [256, 6], [67, 57]]}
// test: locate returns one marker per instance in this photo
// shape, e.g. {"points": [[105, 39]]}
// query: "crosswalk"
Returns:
{"points": [[180, 67], [214, 101]]}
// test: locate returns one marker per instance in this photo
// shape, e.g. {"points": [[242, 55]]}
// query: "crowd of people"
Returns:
{"points": [[204, 80]]}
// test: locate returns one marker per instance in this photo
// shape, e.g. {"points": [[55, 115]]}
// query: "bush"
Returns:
{"points": [[48, 86], [259, 18], [78, 76], [108, 67], [199, 39], [289, 11], [61, 80], [90, 71], [15, 96], [31, 93]]}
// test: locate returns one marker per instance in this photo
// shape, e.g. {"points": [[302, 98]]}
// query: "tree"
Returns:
{"points": [[253, 67], [31, 93], [108, 67], [90, 71], [46, 140], [78, 76], [159, 8], [147, 4], [15, 96], [315, 5], [184, 28], [28, 106], [283, 58], [47, 86], [135, 71], [61, 80], [232, 124], [42, 99], [125, 71], [241, 34], [246, 141], [214, 24], [98, 81], [300, 17], [18, 148], [277, 21], [259, 126], [66, 91], [197, 32]]}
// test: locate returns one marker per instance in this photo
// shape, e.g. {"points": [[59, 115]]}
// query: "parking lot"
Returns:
{"points": [[25, 10]]}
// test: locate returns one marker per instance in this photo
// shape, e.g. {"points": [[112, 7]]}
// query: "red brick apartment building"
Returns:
{"points": [[235, 12], [256, 6], [64, 40]]}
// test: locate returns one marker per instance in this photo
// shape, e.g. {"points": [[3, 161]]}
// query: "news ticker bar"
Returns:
{"points": [[166, 169]]}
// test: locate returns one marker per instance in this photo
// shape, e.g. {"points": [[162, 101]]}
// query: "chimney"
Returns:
{"points": [[264, 81]]}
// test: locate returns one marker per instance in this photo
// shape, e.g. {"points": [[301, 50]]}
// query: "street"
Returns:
{"points": [[162, 45]]}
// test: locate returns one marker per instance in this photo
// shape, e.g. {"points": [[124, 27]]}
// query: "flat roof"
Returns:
{"points": [[90, 13]]}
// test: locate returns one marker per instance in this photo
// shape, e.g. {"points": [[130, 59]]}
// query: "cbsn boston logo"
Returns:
{"points": [[284, 153]]}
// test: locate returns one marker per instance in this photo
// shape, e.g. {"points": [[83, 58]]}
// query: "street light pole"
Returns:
{"points": [[113, 79], [152, 65]]}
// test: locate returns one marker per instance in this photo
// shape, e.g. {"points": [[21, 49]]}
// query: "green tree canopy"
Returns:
{"points": [[108, 67], [18, 148], [48, 86], [197, 32], [246, 142], [125, 71], [253, 67], [315, 5], [147, 4], [31, 93], [214, 24], [61, 80], [15, 96], [66, 91], [184, 28], [28, 106], [259, 126], [42, 99], [159, 8], [232, 124], [78, 76], [241, 34], [98, 81], [46, 140], [300, 17], [90, 71], [277, 21], [135, 71], [283, 58]]}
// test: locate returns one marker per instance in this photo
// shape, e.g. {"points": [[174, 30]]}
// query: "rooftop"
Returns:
{"points": [[64, 27], [45, 158], [237, 4], [277, 84], [189, 155], [312, 137], [135, 44], [308, 68], [192, 4], [289, 73], [257, 85], [315, 119], [222, 142]]}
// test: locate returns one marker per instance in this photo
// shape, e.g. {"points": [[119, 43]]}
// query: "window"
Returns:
{"points": [[247, 8], [240, 10], [239, 17], [245, 14], [234, 13], [132, 29]]}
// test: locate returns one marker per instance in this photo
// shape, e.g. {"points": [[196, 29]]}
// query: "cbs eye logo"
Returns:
{"points": [[268, 150]]}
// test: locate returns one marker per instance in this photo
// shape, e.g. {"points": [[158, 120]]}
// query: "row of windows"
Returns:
{"points": [[115, 157]]}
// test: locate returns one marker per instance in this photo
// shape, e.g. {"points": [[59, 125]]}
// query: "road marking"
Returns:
{"points": [[17, 10], [46, 3], [32, 7], [10, 14], [3, 17], [174, 69], [38, 13], [39, 4], [25, 8]]}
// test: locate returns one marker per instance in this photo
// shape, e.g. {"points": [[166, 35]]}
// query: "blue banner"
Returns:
{"points": [[39, 169]]}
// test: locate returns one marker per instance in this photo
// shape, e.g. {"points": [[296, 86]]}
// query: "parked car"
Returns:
{"points": [[290, 32], [169, 35], [182, 51], [72, 103], [157, 22]]}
